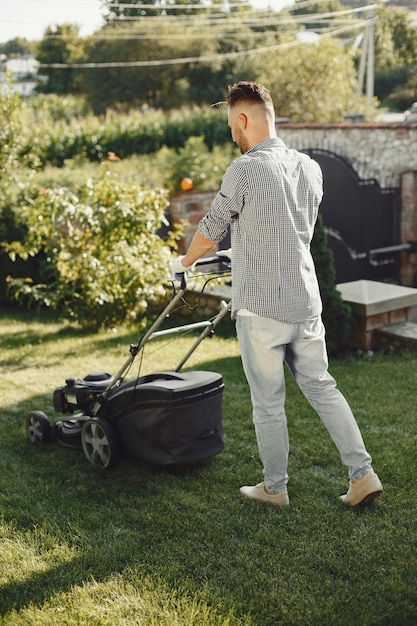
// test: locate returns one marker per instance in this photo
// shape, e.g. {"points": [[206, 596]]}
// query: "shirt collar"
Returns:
{"points": [[273, 142]]}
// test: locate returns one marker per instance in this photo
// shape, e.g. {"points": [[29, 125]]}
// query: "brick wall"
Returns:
{"points": [[188, 208], [409, 226]]}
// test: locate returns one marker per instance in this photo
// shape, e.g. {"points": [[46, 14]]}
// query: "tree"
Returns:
{"points": [[312, 83], [209, 79], [60, 44], [152, 40], [321, 6], [166, 85], [395, 39], [124, 10], [156, 86], [17, 47], [395, 57], [206, 81]]}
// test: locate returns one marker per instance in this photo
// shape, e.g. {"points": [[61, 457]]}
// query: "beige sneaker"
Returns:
{"points": [[363, 491], [258, 493]]}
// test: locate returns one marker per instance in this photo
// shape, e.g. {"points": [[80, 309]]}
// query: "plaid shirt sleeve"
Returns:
{"points": [[270, 198]]}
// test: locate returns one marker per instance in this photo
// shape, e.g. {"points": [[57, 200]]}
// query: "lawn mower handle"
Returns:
{"points": [[219, 258], [135, 349]]}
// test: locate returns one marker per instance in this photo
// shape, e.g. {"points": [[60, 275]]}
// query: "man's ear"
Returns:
{"points": [[243, 119]]}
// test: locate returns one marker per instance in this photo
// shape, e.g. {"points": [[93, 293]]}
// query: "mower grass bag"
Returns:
{"points": [[169, 417]]}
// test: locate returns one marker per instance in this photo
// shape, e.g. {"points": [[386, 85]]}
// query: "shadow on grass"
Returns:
{"points": [[55, 331], [51, 329]]}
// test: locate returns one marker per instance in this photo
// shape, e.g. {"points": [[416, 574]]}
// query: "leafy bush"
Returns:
{"points": [[101, 256], [404, 93], [13, 151], [139, 132], [194, 161], [9, 137], [337, 315], [51, 107], [11, 145]]}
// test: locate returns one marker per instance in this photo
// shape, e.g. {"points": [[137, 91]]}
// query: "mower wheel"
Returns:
{"points": [[38, 427], [100, 443]]}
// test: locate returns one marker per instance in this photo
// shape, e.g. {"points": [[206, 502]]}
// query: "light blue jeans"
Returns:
{"points": [[265, 346]]}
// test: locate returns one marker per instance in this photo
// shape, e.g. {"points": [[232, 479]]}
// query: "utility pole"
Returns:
{"points": [[367, 58], [371, 58]]}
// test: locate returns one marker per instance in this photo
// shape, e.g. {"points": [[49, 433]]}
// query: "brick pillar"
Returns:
{"points": [[408, 272], [187, 208]]}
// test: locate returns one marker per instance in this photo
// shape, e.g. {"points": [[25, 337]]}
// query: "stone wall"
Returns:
{"points": [[380, 151]]}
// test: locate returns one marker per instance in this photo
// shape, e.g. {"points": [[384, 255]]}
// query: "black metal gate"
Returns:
{"points": [[362, 222]]}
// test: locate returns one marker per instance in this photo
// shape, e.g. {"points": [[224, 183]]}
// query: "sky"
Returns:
{"points": [[30, 18]]}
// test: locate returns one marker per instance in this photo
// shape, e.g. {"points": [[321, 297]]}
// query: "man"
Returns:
{"points": [[270, 198]]}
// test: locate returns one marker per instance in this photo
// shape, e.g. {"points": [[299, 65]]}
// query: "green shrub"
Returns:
{"points": [[51, 107], [404, 93], [337, 315], [139, 132], [101, 257], [195, 161], [10, 137], [11, 145]]}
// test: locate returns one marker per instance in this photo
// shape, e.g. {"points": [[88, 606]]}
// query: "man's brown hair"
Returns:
{"points": [[248, 91]]}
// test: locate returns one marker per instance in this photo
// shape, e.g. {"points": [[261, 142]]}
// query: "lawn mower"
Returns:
{"points": [[166, 418]]}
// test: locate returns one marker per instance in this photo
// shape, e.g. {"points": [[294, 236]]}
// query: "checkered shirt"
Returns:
{"points": [[270, 198]]}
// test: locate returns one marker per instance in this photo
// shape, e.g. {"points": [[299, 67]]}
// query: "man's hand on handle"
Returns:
{"points": [[179, 269]]}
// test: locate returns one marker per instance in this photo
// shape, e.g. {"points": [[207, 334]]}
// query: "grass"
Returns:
{"points": [[145, 545]]}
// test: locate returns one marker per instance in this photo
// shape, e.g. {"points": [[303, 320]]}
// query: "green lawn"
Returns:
{"points": [[144, 545]]}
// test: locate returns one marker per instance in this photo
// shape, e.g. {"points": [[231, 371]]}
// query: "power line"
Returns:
{"points": [[200, 59], [169, 7], [197, 35], [228, 23], [197, 7], [245, 19]]}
